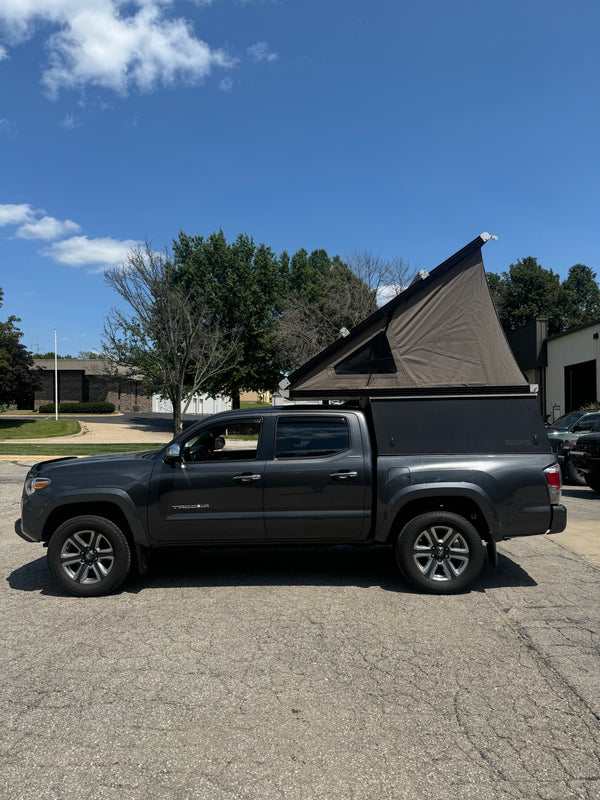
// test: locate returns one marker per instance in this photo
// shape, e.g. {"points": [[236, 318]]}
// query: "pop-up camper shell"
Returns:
{"points": [[441, 336]]}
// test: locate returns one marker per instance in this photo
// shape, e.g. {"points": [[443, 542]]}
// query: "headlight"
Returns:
{"points": [[33, 485]]}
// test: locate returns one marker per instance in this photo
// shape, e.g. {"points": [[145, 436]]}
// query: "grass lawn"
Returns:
{"points": [[37, 428], [74, 449]]}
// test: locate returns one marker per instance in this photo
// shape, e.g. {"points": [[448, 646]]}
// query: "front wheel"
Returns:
{"points": [[89, 556], [440, 552]]}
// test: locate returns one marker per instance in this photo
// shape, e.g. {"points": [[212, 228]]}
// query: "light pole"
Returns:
{"points": [[55, 378]]}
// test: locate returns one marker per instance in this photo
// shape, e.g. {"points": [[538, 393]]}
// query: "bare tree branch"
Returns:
{"points": [[166, 336]]}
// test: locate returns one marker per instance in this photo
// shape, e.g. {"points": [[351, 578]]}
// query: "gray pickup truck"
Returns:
{"points": [[435, 478]]}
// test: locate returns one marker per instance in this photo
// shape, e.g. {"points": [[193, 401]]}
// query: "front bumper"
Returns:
{"points": [[20, 532]]}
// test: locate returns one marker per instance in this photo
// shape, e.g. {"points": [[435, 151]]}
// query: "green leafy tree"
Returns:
{"points": [[242, 284], [50, 354], [527, 291], [18, 379], [583, 295]]}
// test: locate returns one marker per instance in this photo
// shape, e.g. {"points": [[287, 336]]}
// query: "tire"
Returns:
{"points": [[573, 475], [593, 481], [440, 552], [89, 556]]}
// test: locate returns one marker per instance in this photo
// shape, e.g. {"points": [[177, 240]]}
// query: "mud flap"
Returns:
{"points": [[142, 559]]}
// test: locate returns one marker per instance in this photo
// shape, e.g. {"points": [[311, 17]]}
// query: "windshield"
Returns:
{"points": [[564, 423]]}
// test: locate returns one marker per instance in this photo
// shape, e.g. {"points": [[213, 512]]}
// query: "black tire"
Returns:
{"points": [[89, 556], [440, 552], [593, 481], [573, 475]]}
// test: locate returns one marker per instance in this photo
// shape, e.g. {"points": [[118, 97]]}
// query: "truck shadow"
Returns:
{"points": [[323, 566]]}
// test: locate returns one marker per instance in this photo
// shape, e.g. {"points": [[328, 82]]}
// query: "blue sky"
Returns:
{"points": [[402, 128]]}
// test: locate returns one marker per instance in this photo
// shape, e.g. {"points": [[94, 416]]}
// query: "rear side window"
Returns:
{"points": [[311, 438]]}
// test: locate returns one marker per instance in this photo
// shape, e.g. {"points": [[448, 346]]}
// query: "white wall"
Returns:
{"points": [[572, 348], [201, 404]]}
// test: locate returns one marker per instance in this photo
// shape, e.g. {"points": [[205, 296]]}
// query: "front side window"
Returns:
{"points": [[311, 438], [234, 441]]}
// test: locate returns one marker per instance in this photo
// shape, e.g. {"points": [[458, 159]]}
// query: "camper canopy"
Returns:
{"points": [[440, 335]]}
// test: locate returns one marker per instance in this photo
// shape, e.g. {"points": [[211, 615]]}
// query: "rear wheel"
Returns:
{"points": [[89, 556], [440, 552]]}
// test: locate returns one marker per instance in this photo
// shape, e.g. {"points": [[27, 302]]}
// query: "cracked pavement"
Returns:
{"points": [[298, 674]]}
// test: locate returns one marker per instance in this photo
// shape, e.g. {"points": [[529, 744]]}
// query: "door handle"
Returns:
{"points": [[343, 476], [247, 477]]}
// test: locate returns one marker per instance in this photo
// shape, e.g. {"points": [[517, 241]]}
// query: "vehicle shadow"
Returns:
{"points": [[290, 566]]}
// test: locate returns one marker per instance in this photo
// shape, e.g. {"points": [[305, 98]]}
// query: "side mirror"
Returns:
{"points": [[173, 454]]}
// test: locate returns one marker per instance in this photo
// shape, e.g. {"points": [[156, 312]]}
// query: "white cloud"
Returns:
{"points": [[260, 52], [47, 228], [3, 53], [70, 122], [115, 44], [99, 254], [34, 223], [226, 85], [11, 214]]}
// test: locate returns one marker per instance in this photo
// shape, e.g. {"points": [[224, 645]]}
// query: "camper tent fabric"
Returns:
{"points": [[442, 333]]}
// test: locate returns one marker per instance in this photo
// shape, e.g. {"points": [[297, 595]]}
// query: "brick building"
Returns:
{"points": [[89, 380]]}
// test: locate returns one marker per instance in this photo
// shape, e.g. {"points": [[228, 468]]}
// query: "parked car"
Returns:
{"points": [[563, 436], [428, 476], [586, 457]]}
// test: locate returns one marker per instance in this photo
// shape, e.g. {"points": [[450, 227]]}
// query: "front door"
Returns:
{"points": [[215, 493]]}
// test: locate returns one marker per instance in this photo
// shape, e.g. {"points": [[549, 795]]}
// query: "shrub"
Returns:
{"points": [[99, 407]]}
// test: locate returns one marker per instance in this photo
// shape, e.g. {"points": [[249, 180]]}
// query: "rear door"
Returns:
{"points": [[317, 486]]}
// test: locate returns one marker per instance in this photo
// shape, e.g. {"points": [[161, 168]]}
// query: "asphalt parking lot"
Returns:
{"points": [[301, 674]]}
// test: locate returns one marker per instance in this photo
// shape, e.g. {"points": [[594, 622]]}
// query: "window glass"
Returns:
{"points": [[374, 357], [565, 422], [586, 423], [235, 441], [310, 438]]}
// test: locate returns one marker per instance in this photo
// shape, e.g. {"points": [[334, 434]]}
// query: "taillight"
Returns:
{"points": [[553, 477]]}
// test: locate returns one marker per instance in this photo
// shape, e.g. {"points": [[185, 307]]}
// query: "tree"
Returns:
{"points": [[243, 285], [49, 354], [168, 337], [527, 291], [496, 287], [584, 295], [324, 296], [386, 277], [18, 379]]}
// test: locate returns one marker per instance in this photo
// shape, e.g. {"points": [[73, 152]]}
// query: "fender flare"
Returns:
{"points": [[408, 494], [114, 496]]}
